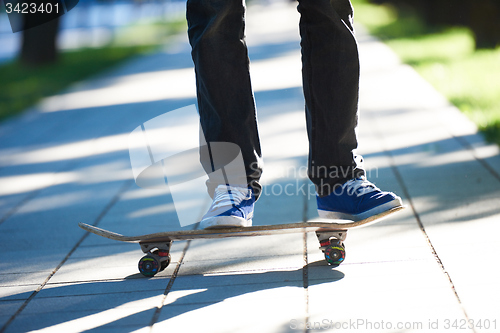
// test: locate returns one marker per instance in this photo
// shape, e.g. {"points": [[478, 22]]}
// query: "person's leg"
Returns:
{"points": [[225, 98], [331, 84], [227, 109]]}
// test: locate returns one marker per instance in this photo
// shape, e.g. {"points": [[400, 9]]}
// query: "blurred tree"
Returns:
{"points": [[485, 22], [481, 16], [39, 44]]}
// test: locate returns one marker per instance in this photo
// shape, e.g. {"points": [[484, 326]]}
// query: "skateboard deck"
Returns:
{"points": [[157, 245]]}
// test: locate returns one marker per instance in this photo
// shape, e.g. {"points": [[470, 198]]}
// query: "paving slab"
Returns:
{"points": [[85, 320], [454, 188], [265, 309], [9, 308]]}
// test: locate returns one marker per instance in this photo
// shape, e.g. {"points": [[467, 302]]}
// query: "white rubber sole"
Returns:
{"points": [[225, 222], [325, 214]]}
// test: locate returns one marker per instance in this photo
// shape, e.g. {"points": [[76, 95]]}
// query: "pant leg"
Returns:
{"points": [[331, 84], [225, 98]]}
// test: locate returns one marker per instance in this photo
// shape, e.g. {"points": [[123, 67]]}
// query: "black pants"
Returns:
{"points": [[330, 70]]}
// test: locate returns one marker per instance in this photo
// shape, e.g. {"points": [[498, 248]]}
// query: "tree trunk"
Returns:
{"points": [[39, 44]]}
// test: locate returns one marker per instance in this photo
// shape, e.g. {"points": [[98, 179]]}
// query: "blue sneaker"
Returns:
{"points": [[232, 207], [356, 200]]}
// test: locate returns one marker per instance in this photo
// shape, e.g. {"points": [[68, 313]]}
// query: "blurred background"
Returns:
{"points": [[453, 44], [93, 36], [98, 23]]}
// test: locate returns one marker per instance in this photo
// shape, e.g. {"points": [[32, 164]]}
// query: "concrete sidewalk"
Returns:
{"points": [[430, 268]]}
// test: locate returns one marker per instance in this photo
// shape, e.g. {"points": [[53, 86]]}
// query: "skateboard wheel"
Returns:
{"points": [[165, 262], [149, 265], [163, 257], [335, 254]]}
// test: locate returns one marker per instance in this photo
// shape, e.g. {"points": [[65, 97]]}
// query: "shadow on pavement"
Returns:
{"points": [[132, 302]]}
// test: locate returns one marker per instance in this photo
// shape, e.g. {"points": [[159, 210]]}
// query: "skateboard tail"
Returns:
{"points": [[379, 217], [105, 233]]}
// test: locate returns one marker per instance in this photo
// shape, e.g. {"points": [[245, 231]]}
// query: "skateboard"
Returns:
{"points": [[331, 236]]}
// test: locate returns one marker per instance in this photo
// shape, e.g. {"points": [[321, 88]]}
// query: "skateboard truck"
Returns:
{"points": [[332, 245], [156, 259]]}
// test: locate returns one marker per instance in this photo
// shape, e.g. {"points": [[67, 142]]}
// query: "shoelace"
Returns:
{"points": [[225, 195], [360, 186]]}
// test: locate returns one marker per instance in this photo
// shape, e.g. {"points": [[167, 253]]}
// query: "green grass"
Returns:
{"points": [[21, 87], [445, 57], [149, 33]]}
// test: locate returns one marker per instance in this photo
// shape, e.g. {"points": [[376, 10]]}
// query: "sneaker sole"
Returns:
{"points": [[218, 222], [325, 214]]}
